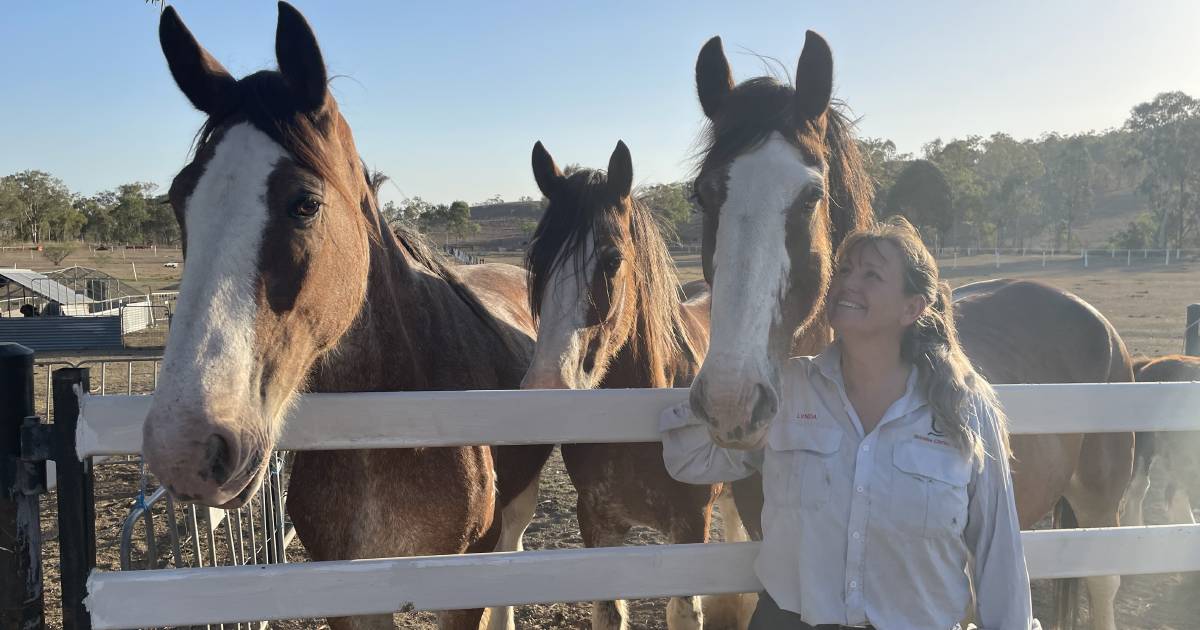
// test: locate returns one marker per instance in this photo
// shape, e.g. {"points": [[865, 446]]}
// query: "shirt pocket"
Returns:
{"points": [[929, 493], [800, 463]]}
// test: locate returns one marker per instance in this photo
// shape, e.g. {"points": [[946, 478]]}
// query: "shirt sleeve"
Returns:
{"points": [[691, 456], [993, 534]]}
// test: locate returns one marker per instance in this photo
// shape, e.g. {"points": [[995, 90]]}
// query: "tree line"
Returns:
{"points": [[978, 191], [974, 191], [36, 207]]}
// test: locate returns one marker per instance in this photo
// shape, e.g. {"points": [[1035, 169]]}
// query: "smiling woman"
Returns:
{"points": [[887, 466]]}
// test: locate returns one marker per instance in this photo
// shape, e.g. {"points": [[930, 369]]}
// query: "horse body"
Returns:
{"points": [[1180, 451], [780, 185], [295, 283], [610, 316]]}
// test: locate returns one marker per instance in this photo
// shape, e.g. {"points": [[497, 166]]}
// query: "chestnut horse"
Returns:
{"points": [[1180, 450], [780, 184], [604, 291], [295, 283]]}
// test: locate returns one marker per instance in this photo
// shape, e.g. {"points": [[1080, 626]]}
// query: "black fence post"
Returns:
{"points": [[76, 500], [1191, 335], [21, 603]]}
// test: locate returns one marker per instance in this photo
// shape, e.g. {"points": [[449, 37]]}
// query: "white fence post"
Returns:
{"points": [[1085, 260]]}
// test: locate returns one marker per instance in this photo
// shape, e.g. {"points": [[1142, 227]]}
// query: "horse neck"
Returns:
{"points": [[410, 325], [637, 364]]}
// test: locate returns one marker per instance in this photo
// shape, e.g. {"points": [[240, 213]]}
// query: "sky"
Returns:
{"points": [[448, 98]]}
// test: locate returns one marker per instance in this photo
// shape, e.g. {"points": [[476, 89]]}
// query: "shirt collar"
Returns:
{"points": [[829, 364]]}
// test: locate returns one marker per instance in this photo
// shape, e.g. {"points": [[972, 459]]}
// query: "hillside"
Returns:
{"points": [[501, 224]]}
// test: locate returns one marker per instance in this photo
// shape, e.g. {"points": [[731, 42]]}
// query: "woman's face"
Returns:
{"points": [[867, 296]]}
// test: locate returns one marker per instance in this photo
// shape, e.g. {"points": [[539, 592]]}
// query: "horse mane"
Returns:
{"points": [[266, 102], [757, 107], [560, 239]]}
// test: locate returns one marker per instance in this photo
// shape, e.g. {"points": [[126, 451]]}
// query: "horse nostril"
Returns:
{"points": [[218, 454], [765, 406]]}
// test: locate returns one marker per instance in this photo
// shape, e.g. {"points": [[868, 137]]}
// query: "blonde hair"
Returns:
{"points": [[954, 390]]}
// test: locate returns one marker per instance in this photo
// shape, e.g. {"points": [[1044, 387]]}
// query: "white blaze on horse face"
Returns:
{"points": [[751, 258], [209, 369], [559, 350]]}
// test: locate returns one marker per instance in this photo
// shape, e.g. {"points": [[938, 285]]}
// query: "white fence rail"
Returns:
{"points": [[112, 425], [319, 589]]}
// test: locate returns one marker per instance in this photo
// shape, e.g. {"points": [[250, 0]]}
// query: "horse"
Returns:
{"points": [[295, 282], [780, 183], [605, 295], [1180, 450]]}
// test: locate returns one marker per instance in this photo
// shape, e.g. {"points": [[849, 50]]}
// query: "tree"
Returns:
{"points": [[957, 161], [668, 202], [1070, 186], [132, 211], [1167, 147], [57, 252], [1008, 173], [1138, 234], [458, 220], [882, 162], [922, 195], [35, 198], [160, 225]]}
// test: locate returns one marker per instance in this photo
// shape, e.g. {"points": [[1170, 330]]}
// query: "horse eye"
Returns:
{"points": [[307, 207], [813, 195], [612, 264]]}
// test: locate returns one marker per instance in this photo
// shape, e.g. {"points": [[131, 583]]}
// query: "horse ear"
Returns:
{"points": [[545, 171], [814, 77], [300, 60], [714, 79], [203, 80], [620, 171]]}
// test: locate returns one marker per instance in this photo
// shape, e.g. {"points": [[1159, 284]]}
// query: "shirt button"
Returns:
{"points": [[866, 447], [859, 489], [853, 584], [857, 535]]}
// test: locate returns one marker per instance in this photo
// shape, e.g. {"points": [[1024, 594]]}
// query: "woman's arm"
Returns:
{"points": [[691, 456], [993, 534]]}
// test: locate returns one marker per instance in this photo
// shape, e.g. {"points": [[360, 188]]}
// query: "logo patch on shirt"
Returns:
{"points": [[806, 416]]}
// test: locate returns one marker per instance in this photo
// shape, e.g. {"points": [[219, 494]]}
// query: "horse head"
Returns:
{"points": [[277, 220]]}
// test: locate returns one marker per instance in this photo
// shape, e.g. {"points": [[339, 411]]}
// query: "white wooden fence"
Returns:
{"points": [[112, 425]]}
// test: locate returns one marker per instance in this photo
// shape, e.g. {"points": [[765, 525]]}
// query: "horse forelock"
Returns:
{"points": [[319, 141], [561, 239], [758, 107]]}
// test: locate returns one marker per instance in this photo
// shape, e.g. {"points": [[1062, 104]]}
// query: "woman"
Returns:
{"points": [[887, 467]]}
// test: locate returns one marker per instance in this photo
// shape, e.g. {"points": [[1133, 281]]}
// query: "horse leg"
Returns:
{"points": [[514, 520], [730, 610], [1179, 508], [364, 622], [1095, 493], [687, 523], [599, 528], [1135, 497], [461, 619]]}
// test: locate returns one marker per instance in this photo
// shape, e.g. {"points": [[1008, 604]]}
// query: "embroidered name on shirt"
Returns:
{"points": [[930, 440], [806, 415]]}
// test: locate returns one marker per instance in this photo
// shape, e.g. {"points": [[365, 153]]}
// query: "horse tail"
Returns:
{"points": [[1066, 590]]}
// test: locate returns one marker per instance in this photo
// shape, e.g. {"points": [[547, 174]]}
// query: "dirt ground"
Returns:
{"points": [[1145, 301]]}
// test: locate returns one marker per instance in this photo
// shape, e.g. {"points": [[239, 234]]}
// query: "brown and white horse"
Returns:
{"points": [[1179, 450], [780, 184], [295, 283], [604, 291]]}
